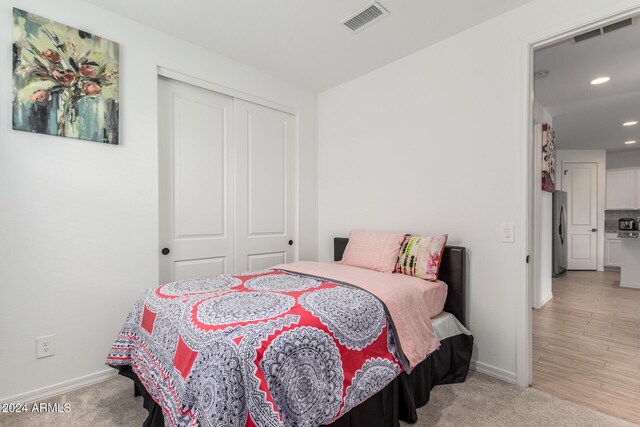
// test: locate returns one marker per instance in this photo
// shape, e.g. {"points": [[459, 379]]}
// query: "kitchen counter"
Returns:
{"points": [[630, 262], [630, 234]]}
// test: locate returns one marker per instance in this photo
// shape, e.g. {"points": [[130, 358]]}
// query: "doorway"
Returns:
{"points": [[227, 193], [586, 335]]}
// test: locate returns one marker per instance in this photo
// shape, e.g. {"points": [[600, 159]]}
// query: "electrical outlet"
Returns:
{"points": [[45, 346]]}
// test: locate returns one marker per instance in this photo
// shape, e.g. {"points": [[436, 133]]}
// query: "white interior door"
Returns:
{"points": [[580, 181], [196, 179], [265, 190]]}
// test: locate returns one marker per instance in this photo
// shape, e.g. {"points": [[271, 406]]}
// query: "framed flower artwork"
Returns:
{"points": [[548, 159], [65, 80]]}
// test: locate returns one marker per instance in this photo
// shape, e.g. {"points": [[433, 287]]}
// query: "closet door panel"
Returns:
{"points": [[265, 190], [266, 151], [196, 181]]}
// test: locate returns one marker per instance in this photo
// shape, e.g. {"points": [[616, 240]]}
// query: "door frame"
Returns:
{"points": [[530, 197], [208, 85]]}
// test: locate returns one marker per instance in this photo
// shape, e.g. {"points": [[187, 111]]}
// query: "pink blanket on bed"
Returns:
{"points": [[408, 300]]}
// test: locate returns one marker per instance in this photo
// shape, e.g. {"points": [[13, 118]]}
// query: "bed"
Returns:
{"points": [[243, 374]]}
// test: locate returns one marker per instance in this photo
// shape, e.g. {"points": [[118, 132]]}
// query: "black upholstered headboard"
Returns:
{"points": [[452, 272]]}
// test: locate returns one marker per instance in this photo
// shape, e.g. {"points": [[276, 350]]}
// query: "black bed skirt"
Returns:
{"points": [[399, 400]]}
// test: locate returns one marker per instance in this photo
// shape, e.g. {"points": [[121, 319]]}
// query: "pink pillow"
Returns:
{"points": [[375, 250], [420, 256]]}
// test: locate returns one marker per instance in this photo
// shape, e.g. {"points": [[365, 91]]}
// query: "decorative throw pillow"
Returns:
{"points": [[375, 250], [420, 256]]}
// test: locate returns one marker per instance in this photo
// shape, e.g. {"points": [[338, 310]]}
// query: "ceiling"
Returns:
{"points": [[303, 41], [586, 116]]}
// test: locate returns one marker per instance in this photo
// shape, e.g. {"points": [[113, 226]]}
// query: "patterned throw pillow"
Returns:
{"points": [[420, 256]]}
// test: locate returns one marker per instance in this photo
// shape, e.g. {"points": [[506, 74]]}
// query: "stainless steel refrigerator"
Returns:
{"points": [[559, 232]]}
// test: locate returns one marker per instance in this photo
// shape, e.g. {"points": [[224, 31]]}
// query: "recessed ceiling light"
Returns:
{"points": [[600, 80], [630, 142], [631, 123]]}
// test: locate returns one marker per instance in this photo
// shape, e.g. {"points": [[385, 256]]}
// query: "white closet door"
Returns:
{"points": [[265, 186], [196, 181]]}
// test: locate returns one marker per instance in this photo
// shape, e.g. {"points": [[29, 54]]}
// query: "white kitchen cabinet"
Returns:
{"points": [[612, 252], [622, 186]]}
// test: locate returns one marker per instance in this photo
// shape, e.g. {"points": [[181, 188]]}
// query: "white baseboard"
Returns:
{"points": [[547, 299], [76, 383], [544, 301], [63, 387], [494, 372], [630, 285]]}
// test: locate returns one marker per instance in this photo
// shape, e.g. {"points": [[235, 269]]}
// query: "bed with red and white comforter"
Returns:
{"points": [[299, 345]]}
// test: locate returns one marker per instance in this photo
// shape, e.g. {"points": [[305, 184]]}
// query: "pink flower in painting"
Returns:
{"points": [[91, 88], [88, 71], [41, 96], [50, 56], [66, 77]]}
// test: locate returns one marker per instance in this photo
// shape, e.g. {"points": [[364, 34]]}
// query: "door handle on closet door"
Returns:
{"points": [[593, 230], [290, 242], [165, 251]]}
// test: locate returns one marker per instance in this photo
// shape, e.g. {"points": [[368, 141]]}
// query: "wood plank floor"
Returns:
{"points": [[586, 343]]}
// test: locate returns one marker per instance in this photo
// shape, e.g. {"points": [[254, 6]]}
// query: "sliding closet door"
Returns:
{"points": [[196, 181], [265, 186]]}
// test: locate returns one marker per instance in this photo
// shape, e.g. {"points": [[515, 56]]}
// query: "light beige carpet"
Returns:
{"points": [[480, 401]]}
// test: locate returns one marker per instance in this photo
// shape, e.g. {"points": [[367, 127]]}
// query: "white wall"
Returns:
{"points": [[540, 114], [623, 159], [542, 279], [545, 257], [599, 157], [434, 143], [79, 220]]}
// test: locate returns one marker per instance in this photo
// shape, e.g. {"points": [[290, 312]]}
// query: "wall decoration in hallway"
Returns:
{"points": [[65, 80], [548, 159]]}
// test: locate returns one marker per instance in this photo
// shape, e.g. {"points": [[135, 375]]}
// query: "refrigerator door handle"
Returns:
{"points": [[563, 221]]}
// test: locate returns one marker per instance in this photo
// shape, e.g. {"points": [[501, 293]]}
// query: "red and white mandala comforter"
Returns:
{"points": [[263, 349]]}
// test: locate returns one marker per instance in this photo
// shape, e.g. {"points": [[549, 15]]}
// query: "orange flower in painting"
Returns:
{"points": [[41, 96], [91, 88], [88, 71], [50, 56], [66, 78]]}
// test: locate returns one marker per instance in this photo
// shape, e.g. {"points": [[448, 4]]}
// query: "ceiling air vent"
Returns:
{"points": [[604, 30], [617, 25], [365, 16], [587, 36]]}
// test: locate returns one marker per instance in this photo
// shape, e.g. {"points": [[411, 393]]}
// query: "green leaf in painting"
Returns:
{"points": [[33, 50], [73, 64], [52, 36]]}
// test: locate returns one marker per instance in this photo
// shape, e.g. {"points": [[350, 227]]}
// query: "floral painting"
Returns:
{"points": [[65, 81], [548, 159]]}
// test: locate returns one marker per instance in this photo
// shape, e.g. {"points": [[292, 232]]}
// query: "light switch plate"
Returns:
{"points": [[507, 232]]}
